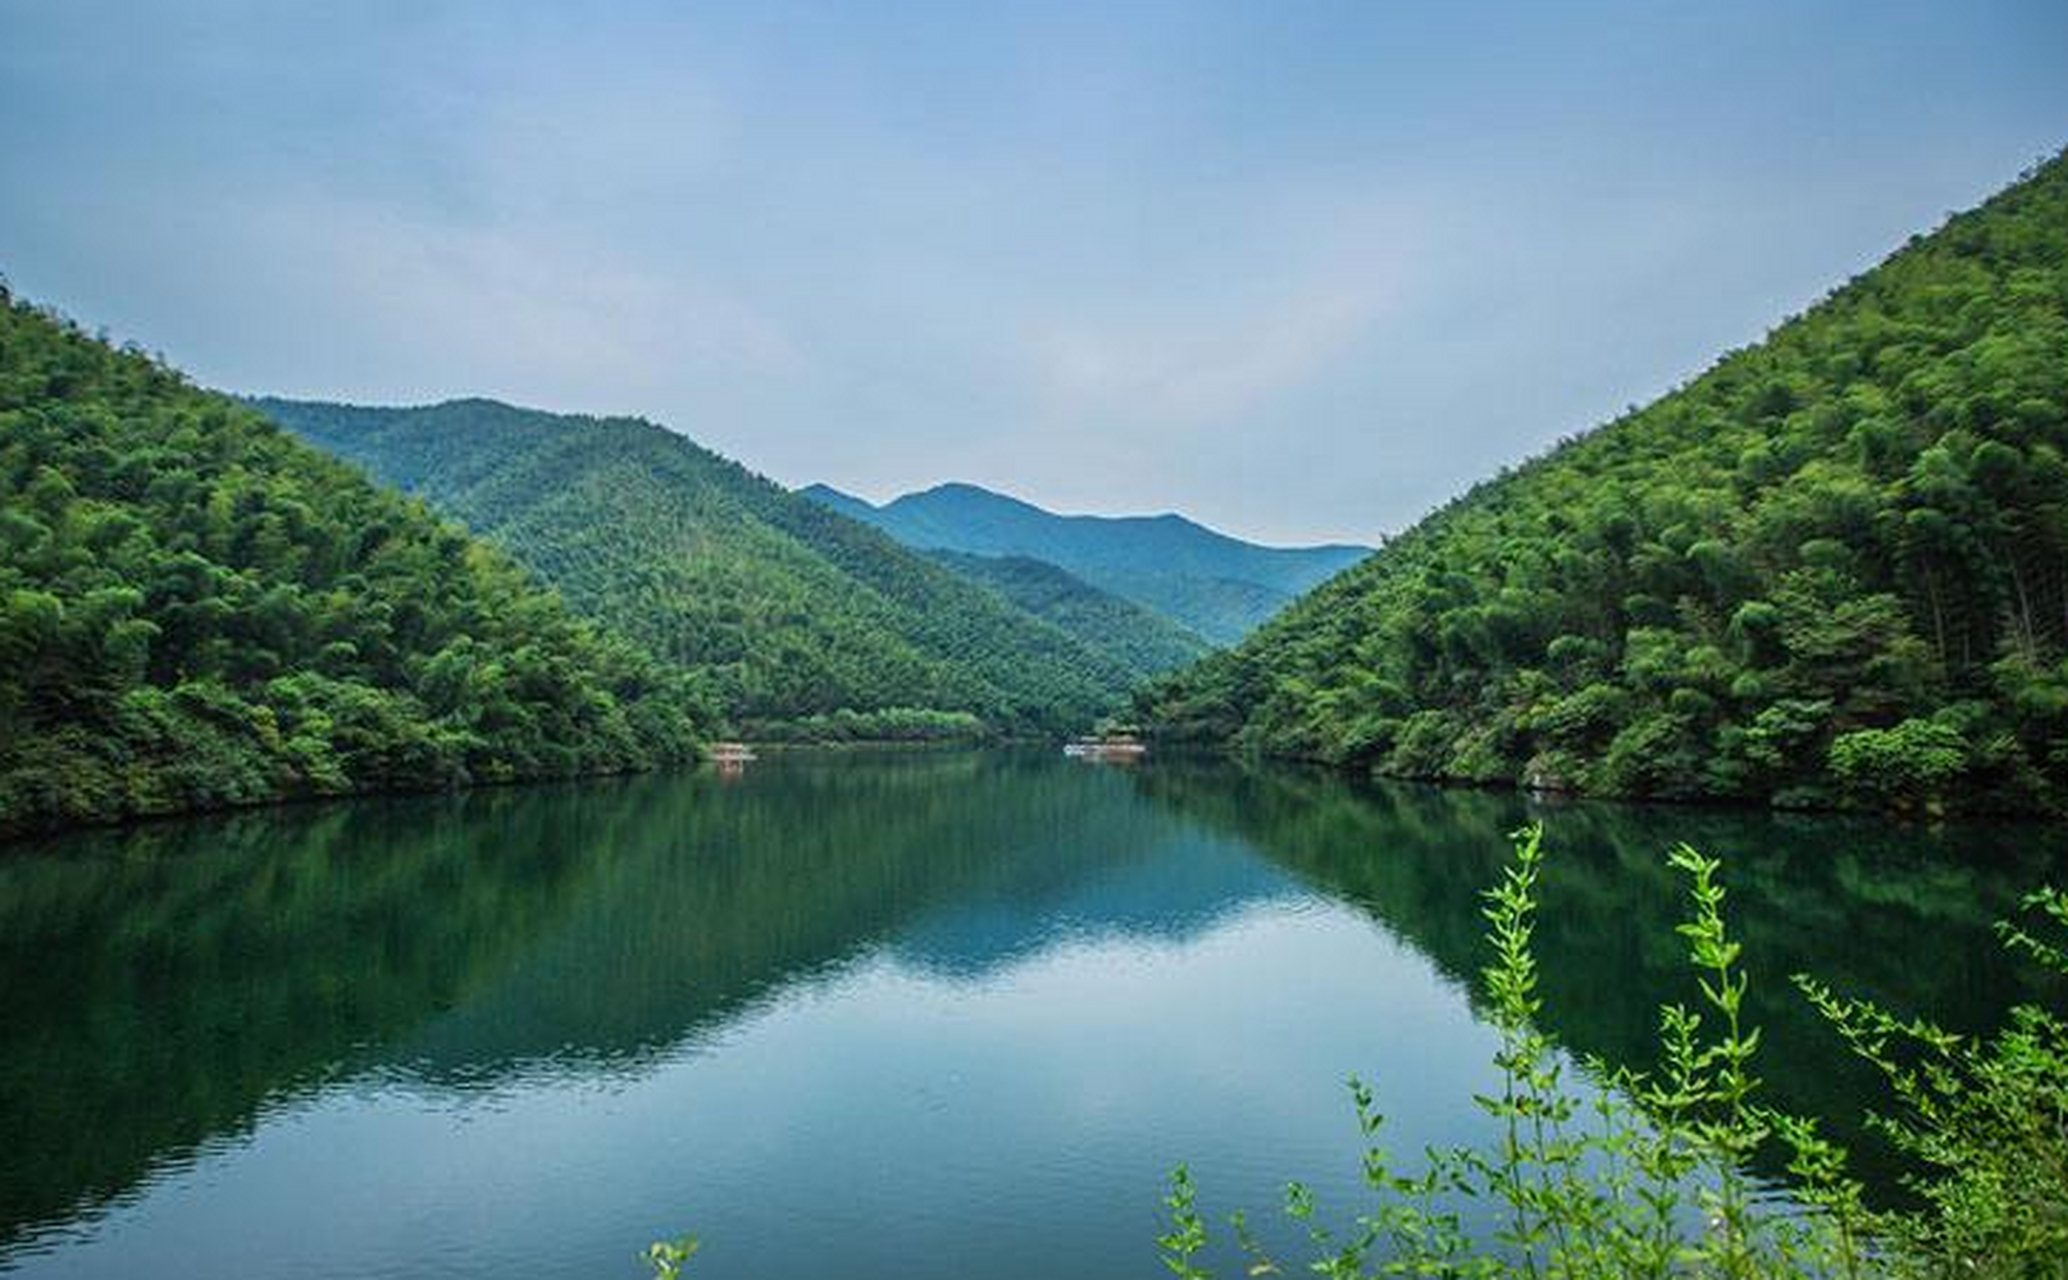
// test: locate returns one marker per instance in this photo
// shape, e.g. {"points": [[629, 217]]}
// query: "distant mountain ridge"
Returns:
{"points": [[1215, 585]]}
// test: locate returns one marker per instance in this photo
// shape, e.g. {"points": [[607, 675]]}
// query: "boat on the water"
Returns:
{"points": [[1120, 747], [730, 757]]}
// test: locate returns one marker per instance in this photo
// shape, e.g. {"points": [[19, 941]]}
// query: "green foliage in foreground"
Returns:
{"points": [[668, 1257], [784, 609], [197, 610], [1646, 1173], [1833, 570]]}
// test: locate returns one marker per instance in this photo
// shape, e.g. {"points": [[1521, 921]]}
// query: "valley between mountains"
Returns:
{"points": [[1832, 571]]}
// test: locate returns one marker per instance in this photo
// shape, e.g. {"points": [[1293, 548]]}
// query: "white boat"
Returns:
{"points": [[1120, 747]]}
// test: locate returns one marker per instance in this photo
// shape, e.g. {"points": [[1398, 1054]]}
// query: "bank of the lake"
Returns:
{"points": [[890, 1014]]}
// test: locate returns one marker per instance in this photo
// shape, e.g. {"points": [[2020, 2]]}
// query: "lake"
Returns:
{"points": [[873, 1015]]}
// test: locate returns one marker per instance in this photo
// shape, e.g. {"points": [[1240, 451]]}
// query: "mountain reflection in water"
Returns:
{"points": [[891, 1012]]}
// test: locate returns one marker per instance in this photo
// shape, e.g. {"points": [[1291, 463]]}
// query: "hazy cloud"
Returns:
{"points": [[1302, 271]]}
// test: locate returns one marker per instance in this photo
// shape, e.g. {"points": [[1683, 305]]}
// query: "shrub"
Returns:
{"points": [[1646, 1174], [1910, 766]]}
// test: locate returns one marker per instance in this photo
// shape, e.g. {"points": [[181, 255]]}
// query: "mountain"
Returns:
{"points": [[197, 610], [1833, 569], [1216, 586], [796, 619], [1145, 642]]}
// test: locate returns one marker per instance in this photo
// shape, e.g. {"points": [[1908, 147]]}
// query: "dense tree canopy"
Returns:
{"points": [[1143, 642], [198, 610], [1833, 569], [789, 612]]}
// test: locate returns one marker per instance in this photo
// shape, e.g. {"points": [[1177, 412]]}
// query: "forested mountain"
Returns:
{"points": [[1216, 586], [1832, 569], [1145, 642], [198, 610], [789, 612]]}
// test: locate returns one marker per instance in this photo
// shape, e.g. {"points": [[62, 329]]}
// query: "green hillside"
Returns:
{"points": [[1832, 569], [197, 610], [788, 612], [1217, 587], [1144, 642]]}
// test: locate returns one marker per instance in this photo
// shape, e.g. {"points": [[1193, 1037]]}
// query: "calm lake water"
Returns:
{"points": [[862, 1015]]}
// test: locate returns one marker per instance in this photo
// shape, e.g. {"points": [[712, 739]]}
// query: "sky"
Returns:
{"points": [[1301, 270]]}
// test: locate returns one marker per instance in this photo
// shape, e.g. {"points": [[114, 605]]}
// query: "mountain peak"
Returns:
{"points": [[965, 493], [827, 493], [960, 487], [1211, 583]]}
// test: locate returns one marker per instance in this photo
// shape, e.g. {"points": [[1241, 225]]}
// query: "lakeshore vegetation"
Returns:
{"points": [[1832, 570], [198, 610]]}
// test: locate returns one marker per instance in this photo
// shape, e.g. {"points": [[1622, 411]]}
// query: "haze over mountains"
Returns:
{"points": [[1218, 586]]}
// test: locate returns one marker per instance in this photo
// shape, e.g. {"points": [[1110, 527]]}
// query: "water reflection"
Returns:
{"points": [[987, 977], [1898, 913]]}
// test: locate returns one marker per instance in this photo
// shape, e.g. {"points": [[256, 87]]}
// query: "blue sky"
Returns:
{"points": [[1301, 270]]}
